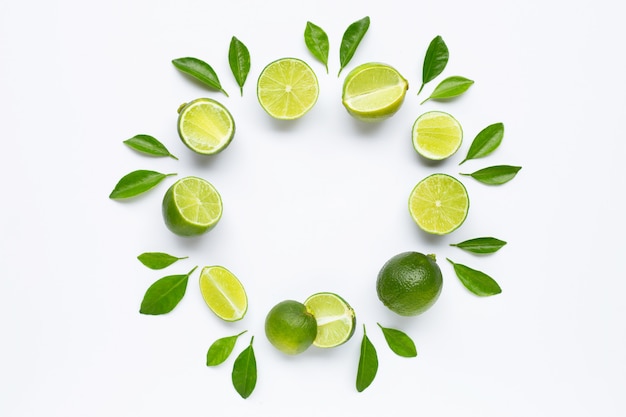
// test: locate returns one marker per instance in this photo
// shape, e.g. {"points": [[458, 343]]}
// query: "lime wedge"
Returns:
{"points": [[287, 88], [223, 293], [205, 126], [439, 204], [191, 207], [437, 135], [335, 319], [373, 91]]}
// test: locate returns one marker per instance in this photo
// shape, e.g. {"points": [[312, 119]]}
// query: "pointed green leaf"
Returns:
{"points": [[495, 175], [435, 60], [485, 142], [481, 245], [244, 371], [368, 364], [221, 349], [399, 342], [136, 182], [477, 282], [164, 294], [449, 88], [351, 39], [239, 60], [148, 145], [200, 70], [316, 41], [157, 260]]}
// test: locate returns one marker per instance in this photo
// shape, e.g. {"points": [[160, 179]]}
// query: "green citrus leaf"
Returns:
{"points": [[435, 60], [200, 70], [316, 41], [165, 294], [351, 39], [148, 145], [368, 364], [449, 88], [244, 371], [239, 60], [495, 175], [399, 342], [136, 182], [481, 245], [477, 282], [157, 260], [485, 142], [221, 349]]}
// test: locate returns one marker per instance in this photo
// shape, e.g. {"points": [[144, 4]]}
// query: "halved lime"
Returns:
{"points": [[439, 204], [287, 88], [223, 293], [436, 135], [191, 206], [335, 319], [373, 91], [205, 126]]}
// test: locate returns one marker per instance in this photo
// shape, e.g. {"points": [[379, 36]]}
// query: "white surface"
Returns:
{"points": [[314, 205]]}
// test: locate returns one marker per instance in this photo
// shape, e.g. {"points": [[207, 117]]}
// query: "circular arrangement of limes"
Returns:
{"points": [[408, 284]]}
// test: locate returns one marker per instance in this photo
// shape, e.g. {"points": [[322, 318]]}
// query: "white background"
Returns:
{"points": [[318, 204]]}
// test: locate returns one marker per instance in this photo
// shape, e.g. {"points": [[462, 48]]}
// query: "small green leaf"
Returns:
{"points": [[450, 87], [399, 342], [495, 175], [244, 371], [136, 182], [158, 260], [148, 145], [239, 60], [477, 282], [221, 349], [351, 39], [435, 60], [316, 41], [165, 294], [481, 245], [485, 142], [368, 364], [200, 70]]}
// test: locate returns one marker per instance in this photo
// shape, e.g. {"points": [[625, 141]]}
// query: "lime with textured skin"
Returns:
{"points": [[409, 283], [290, 327]]}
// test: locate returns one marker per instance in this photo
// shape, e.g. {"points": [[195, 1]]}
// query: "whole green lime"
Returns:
{"points": [[409, 283], [290, 327]]}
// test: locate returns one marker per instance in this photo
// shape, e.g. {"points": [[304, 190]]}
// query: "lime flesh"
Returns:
{"points": [[436, 135], [205, 126], [335, 318], [223, 293]]}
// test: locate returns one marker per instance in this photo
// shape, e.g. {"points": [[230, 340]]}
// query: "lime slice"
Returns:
{"points": [[223, 293], [437, 135], [439, 204], [191, 206], [287, 88], [205, 126], [373, 91], [335, 319]]}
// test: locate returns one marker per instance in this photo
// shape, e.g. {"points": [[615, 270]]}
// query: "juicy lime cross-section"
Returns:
{"points": [[439, 204], [205, 126], [223, 293], [436, 135], [287, 88], [191, 207], [335, 319]]}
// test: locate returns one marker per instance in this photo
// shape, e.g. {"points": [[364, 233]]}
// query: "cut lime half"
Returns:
{"points": [[335, 318], [439, 204], [223, 293], [205, 126], [436, 135]]}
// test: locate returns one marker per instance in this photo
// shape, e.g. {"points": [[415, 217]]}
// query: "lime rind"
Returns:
{"points": [[336, 320], [437, 135], [223, 293], [205, 126]]}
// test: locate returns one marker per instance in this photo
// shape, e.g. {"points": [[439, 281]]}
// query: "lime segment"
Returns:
{"points": [[373, 91], [205, 126], [287, 88], [223, 293], [439, 204], [191, 206], [436, 135], [335, 319]]}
